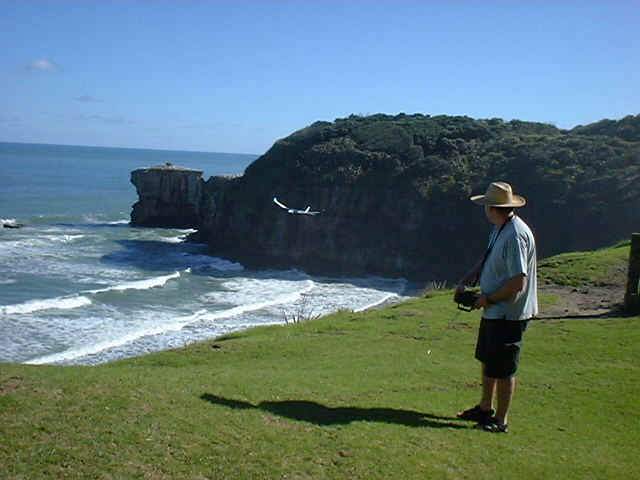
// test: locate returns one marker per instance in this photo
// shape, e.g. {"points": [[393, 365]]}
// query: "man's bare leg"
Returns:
{"points": [[506, 388], [488, 390]]}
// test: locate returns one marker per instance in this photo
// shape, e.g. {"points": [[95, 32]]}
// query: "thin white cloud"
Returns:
{"points": [[42, 65]]}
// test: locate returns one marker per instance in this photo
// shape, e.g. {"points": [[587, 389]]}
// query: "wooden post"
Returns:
{"points": [[632, 294]]}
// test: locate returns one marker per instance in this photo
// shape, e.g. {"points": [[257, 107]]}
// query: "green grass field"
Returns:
{"points": [[351, 395]]}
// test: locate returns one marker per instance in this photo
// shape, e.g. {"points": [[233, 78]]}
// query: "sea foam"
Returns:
{"points": [[140, 284], [251, 307], [92, 349], [65, 238], [175, 325], [61, 303], [378, 302]]}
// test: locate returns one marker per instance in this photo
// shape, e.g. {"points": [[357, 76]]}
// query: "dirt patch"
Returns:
{"points": [[583, 301]]}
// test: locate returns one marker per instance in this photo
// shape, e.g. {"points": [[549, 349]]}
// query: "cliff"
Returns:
{"points": [[169, 196], [393, 193]]}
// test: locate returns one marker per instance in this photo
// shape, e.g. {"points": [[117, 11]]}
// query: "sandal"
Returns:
{"points": [[494, 427], [476, 414]]}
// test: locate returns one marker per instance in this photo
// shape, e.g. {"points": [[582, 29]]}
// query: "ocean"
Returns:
{"points": [[79, 285]]}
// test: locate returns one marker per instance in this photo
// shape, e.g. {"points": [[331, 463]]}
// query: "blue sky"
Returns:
{"points": [[235, 76]]}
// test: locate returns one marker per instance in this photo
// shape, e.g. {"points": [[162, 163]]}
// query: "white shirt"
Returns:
{"points": [[513, 253]]}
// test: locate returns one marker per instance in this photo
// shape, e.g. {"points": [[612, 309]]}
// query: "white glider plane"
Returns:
{"points": [[295, 211]]}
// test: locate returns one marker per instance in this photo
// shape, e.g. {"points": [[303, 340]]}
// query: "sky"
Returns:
{"points": [[235, 76]]}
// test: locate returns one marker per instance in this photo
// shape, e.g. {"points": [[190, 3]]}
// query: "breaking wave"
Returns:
{"points": [[60, 303], [140, 284]]}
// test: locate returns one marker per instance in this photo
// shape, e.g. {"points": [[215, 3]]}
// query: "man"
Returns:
{"points": [[507, 276]]}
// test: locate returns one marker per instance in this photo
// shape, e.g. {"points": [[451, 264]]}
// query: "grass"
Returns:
{"points": [[602, 267], [350, 395]]}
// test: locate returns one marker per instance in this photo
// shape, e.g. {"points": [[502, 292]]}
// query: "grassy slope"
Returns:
{"points": [[604, 267], [352, 395]]}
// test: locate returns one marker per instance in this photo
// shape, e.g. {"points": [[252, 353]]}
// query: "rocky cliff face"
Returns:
{"points": [[393, 195], [358, 231], [169, 196]]}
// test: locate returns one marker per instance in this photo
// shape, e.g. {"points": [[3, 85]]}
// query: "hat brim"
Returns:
{"points": [[516, 201]]}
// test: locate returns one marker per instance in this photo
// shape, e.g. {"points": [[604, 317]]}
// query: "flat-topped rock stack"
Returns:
{"points": [[169, 196]]}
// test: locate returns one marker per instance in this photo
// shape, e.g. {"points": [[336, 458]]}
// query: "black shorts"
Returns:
{"points": [[498, 346]]}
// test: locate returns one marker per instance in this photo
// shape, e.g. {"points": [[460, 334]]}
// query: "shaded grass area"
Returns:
{"points": [[351, 395]]}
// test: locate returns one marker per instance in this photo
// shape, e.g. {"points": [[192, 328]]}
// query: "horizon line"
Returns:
{"points": [[125, 148]]}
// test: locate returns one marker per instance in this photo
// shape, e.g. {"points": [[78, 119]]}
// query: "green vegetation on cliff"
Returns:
{"points": [[438, 154], [627, 128], [394, 191]]}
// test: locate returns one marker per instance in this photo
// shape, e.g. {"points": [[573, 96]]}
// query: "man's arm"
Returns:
{"points": [[509, 290]]}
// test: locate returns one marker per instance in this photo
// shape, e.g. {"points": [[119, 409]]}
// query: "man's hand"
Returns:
{"points": [[482, 302]]}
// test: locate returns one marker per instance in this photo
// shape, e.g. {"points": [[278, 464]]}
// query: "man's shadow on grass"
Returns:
{"points": [[321, 415]]}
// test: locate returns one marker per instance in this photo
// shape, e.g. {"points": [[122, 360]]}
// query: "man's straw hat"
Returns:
{"points": [[499, 194]]}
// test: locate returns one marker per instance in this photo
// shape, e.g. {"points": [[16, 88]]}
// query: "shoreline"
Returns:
{"points": [[345, 294]]}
